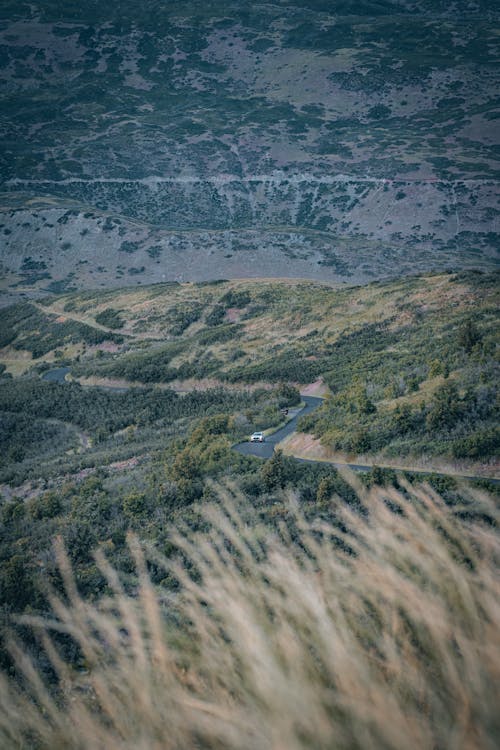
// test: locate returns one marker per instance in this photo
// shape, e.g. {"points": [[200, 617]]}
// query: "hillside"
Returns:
{"points": [[249, 405], [409, 367], [179, 141]]}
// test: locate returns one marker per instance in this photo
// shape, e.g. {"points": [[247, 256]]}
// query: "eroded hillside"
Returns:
{"points": [[181, 141]]}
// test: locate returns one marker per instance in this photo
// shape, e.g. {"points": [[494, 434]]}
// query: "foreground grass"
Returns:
{"points": [[378, 632]]}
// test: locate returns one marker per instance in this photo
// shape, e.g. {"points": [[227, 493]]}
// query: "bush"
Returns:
{"points": [[235, 299], [445, 407], [287, 395], [469, 335], [216, 316], [109, 318], [481, 444], [288, 366]]}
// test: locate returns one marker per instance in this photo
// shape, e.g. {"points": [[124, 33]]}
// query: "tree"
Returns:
{"points": [[48, 505], [435, 368], [326, 487], [360, 442], [134, 504], [273, 472], [445, 407], [402, 419], [287, 395], [186, 465], [16, 582], [362, 403], [469, 335]]}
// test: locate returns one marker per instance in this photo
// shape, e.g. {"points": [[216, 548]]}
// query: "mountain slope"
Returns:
{"points": [[410, 365], [348, 142]]}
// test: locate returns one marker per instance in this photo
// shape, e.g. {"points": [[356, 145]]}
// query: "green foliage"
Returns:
{"points": [[152, 453], [47, 505], [149, 367], [287, 395], [481, 444], [445, 408], [436, 368], [366, 364], [376, 363], [220, 335], [185, 466], [134, 505], [326, 488], [129, 246], [182, 316], [284, 366], [362, 403], [216, 316], [405, 419], [276, 471], [109, 318], [235, 299], [28, 328], [16, 582], [97, 409], [12, 319], [469, 335], [30, 436], [359, 442]]}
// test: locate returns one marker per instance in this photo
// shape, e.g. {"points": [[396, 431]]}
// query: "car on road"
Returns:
{"points": [[257, 437]]}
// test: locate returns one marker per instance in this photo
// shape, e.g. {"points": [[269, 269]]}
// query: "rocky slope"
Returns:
{"points": [[282, 139]]}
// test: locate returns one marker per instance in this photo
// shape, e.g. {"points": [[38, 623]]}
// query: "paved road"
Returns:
{"points": [[266, 449], [58, 375]]}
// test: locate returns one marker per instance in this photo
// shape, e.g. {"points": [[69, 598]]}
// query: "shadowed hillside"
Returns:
{"points": [[179, 141]]}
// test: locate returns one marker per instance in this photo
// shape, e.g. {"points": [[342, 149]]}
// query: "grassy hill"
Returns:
{"points": [[409, 366]]}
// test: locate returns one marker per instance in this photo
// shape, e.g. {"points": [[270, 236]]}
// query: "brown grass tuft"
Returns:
{"points": [[383, 636]]}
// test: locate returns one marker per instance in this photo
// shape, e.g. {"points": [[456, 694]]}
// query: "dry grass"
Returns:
{"points": [[284, 645], [305, 445]]}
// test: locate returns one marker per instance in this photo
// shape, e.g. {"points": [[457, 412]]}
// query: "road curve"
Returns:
{"points": [[266, 449]]}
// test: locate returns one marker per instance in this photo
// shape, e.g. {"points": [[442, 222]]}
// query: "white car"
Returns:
{"points": [[257, 437]]}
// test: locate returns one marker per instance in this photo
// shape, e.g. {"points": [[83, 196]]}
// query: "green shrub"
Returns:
{"points": [[110, 318]]}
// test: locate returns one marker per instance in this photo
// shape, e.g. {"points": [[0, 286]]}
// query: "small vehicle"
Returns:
{"points": [[257, 437]]}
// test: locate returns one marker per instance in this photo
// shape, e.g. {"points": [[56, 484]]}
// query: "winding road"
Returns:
{"points": [[266, 449]]}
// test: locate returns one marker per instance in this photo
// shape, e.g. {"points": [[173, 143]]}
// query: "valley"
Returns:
{"points": [[224, 218]]}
